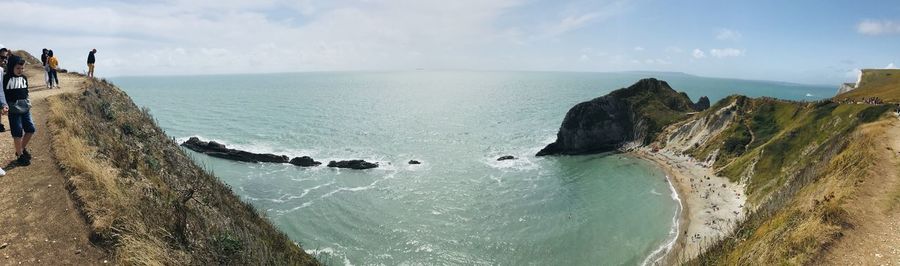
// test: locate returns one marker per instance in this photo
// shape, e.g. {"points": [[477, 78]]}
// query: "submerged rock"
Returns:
{"points": [[304, 161], [507, 157], [352, 164], [632, 115], [219, 150], [414, 162]]}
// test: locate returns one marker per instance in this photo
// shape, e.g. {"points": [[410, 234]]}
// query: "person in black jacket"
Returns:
{"points": [[15, 92], [90, 63], [44, 65]]}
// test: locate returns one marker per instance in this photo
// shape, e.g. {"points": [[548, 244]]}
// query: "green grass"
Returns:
{"points": [[882, 83], [799, 161], [773, 139], [807, 216]]}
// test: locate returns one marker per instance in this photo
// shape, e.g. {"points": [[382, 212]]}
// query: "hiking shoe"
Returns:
{"points": [[23, 160], [26, 154], [2, 128]]}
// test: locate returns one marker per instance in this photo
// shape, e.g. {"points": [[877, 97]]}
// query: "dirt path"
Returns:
{"points": [[38, 221], [875, 239]]}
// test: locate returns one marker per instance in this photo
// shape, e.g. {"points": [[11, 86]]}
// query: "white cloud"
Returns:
{"points": [[726, 52], [584, 58], [674, 50], [878, 27], [698, 53], [568, 24], [728, 35], [853, 75], [191, 37], [638, 48], [891, 66]]}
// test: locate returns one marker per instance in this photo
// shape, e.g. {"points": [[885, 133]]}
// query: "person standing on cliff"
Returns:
{"points": [[90, 63], [44, 65], [52, 64], [21, 125]]}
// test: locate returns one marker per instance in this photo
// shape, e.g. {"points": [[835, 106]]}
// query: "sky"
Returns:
{"points": [[803, 41]]}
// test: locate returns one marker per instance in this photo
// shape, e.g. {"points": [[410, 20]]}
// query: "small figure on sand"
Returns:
{"points": [[90, 63]]}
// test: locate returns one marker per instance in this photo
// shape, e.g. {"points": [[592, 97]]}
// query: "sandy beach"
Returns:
{"points": [[710, 204]]}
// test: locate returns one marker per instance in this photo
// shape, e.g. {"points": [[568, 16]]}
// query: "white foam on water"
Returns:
{"points": [[307, 190], [653, 191], [329, 252], [517, 164], [660, 253], [338, 190]]}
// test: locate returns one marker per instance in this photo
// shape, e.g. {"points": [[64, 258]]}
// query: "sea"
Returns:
{"points": [[460, 206]]}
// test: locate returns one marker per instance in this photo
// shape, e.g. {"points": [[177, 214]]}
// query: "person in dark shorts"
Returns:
{"points": [[15, 92]]}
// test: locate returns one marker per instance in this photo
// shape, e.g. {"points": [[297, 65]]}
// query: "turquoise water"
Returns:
{"points": [[460, 206]]}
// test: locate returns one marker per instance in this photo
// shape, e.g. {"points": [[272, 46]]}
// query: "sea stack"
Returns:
{"points": [[627, 116]]}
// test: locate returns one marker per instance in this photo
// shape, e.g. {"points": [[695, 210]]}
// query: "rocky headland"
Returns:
{"points": [[626, 117]]}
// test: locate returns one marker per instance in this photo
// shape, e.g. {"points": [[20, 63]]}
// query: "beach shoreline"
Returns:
{"points": [[706, 212]]}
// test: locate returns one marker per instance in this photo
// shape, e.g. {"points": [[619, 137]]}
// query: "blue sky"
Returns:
{"points": [[819, 42]]}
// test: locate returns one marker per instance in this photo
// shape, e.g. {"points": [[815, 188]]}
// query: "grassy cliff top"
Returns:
{"points": [[881, 83], [145, 200]]}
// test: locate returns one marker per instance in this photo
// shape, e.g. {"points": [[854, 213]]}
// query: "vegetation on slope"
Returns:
{"points": [[881, 83], [658, 104], [144, 198], [807, 222], [799, 162], [772, 140]]}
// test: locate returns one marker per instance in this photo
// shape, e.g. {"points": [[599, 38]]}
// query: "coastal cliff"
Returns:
{"points": [[145, 201], [793, 166], [629, 116], [881, 84]]}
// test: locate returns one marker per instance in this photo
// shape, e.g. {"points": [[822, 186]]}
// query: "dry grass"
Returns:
{"points": [[145, 199]]}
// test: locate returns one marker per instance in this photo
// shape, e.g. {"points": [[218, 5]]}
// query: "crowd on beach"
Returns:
{"points": [[15, 101]]}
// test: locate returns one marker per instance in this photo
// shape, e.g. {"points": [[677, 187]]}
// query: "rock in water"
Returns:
{"points": [[702, 104], [629, 115], [507, 157], [218, 150], [304, 161], [353, 164], [414, 162]]}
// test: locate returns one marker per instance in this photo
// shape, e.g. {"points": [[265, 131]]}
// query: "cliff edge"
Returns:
{"points": [[144, 200]]}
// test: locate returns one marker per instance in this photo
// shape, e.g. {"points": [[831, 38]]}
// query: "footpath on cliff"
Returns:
{"points": [[39, 223], [875, 237]]}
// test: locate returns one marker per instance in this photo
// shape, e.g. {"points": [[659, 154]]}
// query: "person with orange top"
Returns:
{"points": [[53, 65]]}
